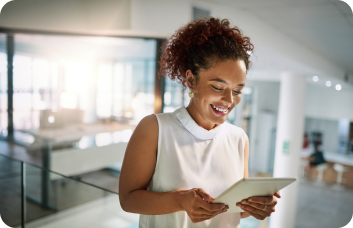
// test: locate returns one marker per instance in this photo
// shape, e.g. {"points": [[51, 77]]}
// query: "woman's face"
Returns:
{"points": [[216, 93]]}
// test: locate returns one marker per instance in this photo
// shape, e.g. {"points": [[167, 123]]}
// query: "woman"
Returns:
{"points": [[176, 163], [314, 159]]}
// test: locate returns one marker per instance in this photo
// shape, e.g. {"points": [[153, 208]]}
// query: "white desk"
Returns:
{"points": [[339, 158], [333, 157], [74, 161], [73, 132]]}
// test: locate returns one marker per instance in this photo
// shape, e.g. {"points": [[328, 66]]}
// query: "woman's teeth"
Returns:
{"points": [[220, 110]]}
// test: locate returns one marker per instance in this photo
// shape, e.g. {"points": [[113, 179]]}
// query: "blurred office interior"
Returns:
{"points": [[77, 76]]}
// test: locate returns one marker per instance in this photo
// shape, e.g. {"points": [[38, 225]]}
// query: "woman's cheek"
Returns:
{"points": [[237, 100]]}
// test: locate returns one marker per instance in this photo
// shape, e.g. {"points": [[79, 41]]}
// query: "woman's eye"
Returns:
{"points": [[237, 92], [217, 88]]}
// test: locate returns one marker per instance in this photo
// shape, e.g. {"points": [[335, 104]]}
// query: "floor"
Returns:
{"points": [[323, 205], [76, 204]]}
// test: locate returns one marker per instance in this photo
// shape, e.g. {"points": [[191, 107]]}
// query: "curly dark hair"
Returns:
{"points": [[200, 44]]}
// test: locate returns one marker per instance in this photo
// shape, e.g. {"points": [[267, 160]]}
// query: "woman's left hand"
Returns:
{"points": [[259, 207]]}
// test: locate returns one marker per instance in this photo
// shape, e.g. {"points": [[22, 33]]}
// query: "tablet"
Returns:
{"points": [[254, 186]]}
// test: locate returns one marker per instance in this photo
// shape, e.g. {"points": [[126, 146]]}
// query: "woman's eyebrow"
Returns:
{"points": [[219, 80], [224, 82]]}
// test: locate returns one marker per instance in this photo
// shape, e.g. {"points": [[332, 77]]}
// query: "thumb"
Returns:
{"points": [[204, 195], [277, 194]]}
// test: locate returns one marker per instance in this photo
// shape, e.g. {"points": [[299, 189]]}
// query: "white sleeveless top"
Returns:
{"points": [[190, 156]]}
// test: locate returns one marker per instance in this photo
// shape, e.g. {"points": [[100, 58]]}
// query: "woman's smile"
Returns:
{"points": [[220, 110]]}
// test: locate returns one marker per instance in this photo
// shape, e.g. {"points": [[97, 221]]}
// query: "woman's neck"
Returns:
{"points": [[198, 118]]}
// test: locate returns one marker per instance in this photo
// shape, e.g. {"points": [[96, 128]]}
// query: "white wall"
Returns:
{"points": [[159, 16], [321, 102], [265, 108], [327, 103], [268, 95], [267, 122], [329, 128]]}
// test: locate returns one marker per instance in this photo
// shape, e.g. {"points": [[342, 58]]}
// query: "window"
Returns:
{"points": [[102, 77], [174, 96], [3, 85]]}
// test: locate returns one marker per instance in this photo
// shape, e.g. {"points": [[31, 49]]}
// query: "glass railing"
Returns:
{"points": [[79, 150], [33, 197]]}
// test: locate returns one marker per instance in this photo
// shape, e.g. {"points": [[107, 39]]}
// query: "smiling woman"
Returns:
{"points": [[176, 163]]}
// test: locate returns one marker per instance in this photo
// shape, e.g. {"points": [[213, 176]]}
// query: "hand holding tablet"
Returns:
{"points": [[259, 207], [252, 187]]}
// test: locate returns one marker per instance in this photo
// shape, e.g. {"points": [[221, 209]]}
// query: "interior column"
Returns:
{"points": [[10, 56], [288, 146]]}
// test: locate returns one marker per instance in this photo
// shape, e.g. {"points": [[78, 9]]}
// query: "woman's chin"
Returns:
{"points": [[219, 120]]}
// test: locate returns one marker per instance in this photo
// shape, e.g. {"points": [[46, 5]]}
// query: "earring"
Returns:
{"points": [[191, 94]]}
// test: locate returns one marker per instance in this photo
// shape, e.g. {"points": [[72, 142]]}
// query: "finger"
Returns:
{"points": [[255, 215], [203, 194], [200, 212], [262, 213], [202, 202], [255, 205], [262, 199], [255, 212], [268, 208], [277, 194], [216, 207], [213, 207], [209, 214]]}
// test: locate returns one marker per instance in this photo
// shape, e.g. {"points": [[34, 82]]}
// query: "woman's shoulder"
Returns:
{"points": [[234, 129], [153, 120], [236, 132], [148, 122], [166, 117]]}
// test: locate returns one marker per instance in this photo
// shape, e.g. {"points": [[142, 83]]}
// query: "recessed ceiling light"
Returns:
{"points": [[315, 78], [328, 83], [338, 87], [51, 119]]}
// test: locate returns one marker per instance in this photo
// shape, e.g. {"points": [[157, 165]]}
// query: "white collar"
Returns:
{"points": [[189, 123]]}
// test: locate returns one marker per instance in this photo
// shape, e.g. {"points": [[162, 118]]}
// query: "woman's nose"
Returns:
{"points": [[229, 97]]}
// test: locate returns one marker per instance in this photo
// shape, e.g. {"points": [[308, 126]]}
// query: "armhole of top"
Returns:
{"points": [[243, 162], [244, 138], [159, 139]]}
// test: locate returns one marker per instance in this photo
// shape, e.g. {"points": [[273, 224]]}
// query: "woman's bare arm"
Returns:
{"points": [[137, 170]]}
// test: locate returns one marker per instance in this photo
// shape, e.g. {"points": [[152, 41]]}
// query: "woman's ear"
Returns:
{"points": [[190, 79]]}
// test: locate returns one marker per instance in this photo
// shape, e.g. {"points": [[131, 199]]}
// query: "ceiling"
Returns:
{"points": [[323, 26]]}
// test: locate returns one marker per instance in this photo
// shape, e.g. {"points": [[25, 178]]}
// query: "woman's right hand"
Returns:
{"points": [[197, 204]]}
